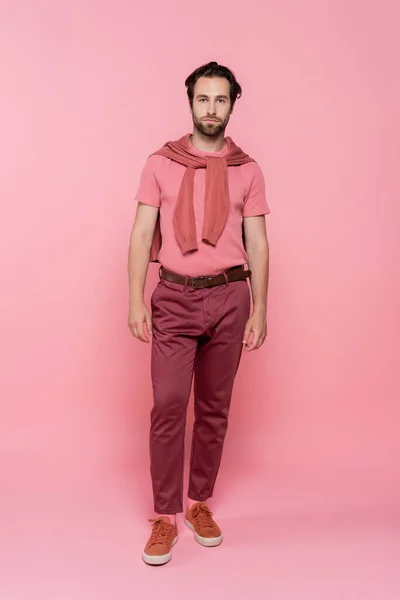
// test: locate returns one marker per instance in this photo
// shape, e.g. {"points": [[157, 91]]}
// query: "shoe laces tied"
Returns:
{"points": [[203, 516], [160, 533]]}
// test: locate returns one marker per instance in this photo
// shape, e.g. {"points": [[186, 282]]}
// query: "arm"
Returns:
{"points": [[258, 259], [138, 263]]}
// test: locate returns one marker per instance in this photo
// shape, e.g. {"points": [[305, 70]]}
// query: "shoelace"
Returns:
{"points": [[203, 516], [160, 532]]}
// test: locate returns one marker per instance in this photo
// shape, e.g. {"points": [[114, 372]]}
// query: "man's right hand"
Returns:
{"points": [[138, 317]]}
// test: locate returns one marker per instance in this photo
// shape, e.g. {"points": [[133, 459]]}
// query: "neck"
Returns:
{"points": [[205, 143]]}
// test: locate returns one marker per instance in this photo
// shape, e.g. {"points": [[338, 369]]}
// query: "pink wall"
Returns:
{"points": [[89, 89]]}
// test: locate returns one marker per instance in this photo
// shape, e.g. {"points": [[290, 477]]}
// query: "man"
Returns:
{"points": [[197, 198]]}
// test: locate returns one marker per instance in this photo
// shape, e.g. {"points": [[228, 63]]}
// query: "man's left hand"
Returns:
{"points": [[255, 332]]}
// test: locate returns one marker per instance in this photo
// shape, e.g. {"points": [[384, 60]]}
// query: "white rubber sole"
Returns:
{"points": [[208, 542], [159, 560]]}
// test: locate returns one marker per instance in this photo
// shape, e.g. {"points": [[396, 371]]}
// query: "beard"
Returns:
{"points": [[210, 129]]}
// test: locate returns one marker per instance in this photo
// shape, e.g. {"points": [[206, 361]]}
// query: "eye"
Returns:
{"points": [[221, 100]]}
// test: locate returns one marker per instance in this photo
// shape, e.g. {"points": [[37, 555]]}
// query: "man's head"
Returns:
{"points": [[212, 91]]}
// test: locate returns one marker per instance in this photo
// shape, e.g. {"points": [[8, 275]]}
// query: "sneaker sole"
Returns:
{"points": [[163, 559], [208, 542]]}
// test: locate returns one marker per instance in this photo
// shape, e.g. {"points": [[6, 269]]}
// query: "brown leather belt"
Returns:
{"points": [[233, 274]]}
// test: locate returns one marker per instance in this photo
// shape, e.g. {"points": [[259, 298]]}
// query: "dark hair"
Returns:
{"points": [[213, 69]]}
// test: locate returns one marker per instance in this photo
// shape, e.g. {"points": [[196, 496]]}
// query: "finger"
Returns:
{"points": [[261, 340], [134, 330], [246, 335], [249, 341], [141, 335], [131, 328], [149, 324], [146, 331], [254, 342]]}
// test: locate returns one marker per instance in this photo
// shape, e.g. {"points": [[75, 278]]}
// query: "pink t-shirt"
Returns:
{"points": [[159, 187]]}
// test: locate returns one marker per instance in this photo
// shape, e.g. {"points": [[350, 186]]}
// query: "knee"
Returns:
{"points": [[168, 415]]}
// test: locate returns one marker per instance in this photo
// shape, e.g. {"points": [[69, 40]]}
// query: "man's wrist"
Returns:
{"points": [[136, 300], [260, 311]]}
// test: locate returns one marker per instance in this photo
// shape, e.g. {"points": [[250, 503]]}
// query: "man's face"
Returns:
{"points": [[211, 105]]}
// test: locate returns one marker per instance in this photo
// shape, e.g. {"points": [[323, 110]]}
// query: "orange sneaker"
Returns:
{"points": [[164, 535], [206, 531]]}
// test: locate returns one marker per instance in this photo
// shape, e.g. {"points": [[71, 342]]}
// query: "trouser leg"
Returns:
{"points": [[215, 369], [173, 355]]}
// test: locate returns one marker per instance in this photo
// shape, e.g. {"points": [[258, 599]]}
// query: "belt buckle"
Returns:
{"points": [[209, 279]]}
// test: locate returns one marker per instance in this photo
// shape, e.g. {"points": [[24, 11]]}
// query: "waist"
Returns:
{"points": [[231, 275]]}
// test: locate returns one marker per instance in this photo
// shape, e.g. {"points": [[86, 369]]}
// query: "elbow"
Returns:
{"points": [[142, 238], [258, 248]]}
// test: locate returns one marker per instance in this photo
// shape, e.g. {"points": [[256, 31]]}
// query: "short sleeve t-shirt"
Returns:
{"points": [[159, 187]]}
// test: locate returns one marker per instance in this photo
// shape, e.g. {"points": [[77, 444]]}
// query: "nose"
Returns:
{"points": [[211, 108]]}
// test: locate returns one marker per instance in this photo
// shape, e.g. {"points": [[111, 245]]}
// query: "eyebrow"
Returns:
{"points": [[205, 96]]}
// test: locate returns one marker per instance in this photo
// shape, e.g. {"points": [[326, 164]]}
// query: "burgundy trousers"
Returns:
{"points": [[196, 332]]}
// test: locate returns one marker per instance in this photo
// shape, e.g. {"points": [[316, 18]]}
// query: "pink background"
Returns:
{"points": [[309, 488]]}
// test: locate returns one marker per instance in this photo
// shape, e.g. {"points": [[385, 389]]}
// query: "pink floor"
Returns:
{"points": [[83, 541]]}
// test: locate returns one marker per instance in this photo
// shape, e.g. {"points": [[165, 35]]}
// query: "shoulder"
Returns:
{"points": [[155, 162], [251, 170], [156, 167], [252, 174]]}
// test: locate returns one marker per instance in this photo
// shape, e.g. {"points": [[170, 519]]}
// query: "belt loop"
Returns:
{"points": [[186, 283], [159, 272], [226, 279]]}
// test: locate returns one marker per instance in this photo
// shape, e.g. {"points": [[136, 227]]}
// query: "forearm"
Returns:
{"points": [[258, 261], [138, 263]]}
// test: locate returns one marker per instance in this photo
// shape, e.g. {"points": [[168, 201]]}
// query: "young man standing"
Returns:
{"points": [[201, 207]]}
